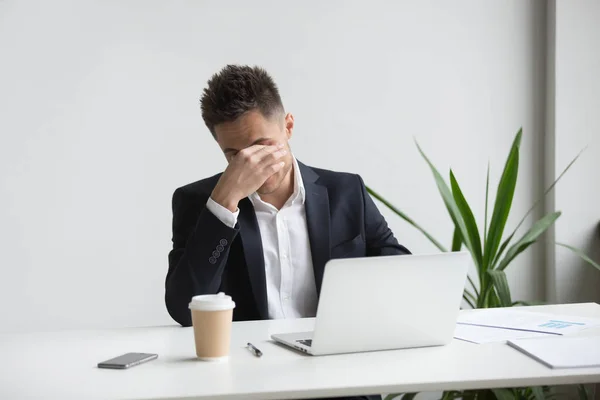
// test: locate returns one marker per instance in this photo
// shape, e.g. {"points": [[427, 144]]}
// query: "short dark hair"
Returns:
{"points": [[235, 90]]}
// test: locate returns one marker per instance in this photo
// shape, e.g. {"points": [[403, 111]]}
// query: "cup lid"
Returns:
{"points": [[212, 302]]}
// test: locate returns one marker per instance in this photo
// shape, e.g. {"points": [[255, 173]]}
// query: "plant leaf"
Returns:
{"points": [[487, 191], [473, 285], [557, 395], [448, 200], [503, 203], [453, 394], [489, 297], [456, 240], [538, 393], [530, 237], [501, 285], [528, 303], [468, 218], [402, 396], [503, 247], [581, 254], [469, 298], [503, 394], [408, 396], [493, 298], [583, 392], [407, 219]]}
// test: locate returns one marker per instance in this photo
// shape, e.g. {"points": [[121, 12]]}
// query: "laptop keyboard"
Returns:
{"points": [[306, 342]]}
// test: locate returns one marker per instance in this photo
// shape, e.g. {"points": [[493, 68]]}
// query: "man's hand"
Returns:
{"points": [[247, 171]]}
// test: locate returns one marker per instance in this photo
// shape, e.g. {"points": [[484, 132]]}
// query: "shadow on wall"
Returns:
{"points": [[589, 284]]}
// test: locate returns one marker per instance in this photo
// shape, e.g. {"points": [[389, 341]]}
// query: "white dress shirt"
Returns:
{"points": [[290, 279]]}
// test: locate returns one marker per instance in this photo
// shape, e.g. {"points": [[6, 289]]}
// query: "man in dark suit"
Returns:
{"points": [[263, 230]]}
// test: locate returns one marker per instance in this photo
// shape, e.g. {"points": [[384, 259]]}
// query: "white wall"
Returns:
{"points": [[577, 125], [100, 123]]}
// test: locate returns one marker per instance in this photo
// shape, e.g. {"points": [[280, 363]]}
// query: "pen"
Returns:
{"points": [[254, 350]]}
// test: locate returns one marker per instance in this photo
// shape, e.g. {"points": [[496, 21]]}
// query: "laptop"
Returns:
{"points": [[384, 303]]}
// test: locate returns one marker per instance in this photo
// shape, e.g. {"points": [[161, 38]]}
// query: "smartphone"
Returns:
{"points": [[127, 360]]}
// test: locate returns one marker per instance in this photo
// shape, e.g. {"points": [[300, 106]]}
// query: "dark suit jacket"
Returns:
{"points": [[209, 257]]}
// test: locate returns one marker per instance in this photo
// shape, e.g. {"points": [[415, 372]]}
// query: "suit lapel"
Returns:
{"points": [[317, 219], [253, 253]]}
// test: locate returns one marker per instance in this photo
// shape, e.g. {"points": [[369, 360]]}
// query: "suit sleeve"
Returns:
{"points": [[201, 245], [379, 237]]}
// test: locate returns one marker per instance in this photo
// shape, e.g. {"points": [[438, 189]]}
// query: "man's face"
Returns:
{"points": [[253, 128]]}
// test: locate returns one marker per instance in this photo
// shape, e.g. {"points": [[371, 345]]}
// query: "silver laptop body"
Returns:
{"points": [[387, 302]]}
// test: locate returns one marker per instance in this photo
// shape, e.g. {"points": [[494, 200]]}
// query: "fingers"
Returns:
{"points": [[259, 148], [272, 158], [251, 154], [254, 149], [260, 155], [274, 168]]}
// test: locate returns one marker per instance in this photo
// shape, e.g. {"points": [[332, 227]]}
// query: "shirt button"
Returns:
{"points": [[284, 256]]}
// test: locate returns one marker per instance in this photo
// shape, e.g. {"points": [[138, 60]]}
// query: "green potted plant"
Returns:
{"points": [[491, 255]]}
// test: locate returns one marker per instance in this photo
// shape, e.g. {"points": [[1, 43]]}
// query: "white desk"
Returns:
{"points": [[62, 365]]}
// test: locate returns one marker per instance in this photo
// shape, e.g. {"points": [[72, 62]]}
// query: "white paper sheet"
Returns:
{"points": [[562, 352], [527, 321], [485, 334]]}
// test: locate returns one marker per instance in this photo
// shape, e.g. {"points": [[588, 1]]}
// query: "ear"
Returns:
{"points": [[289, 125]]}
